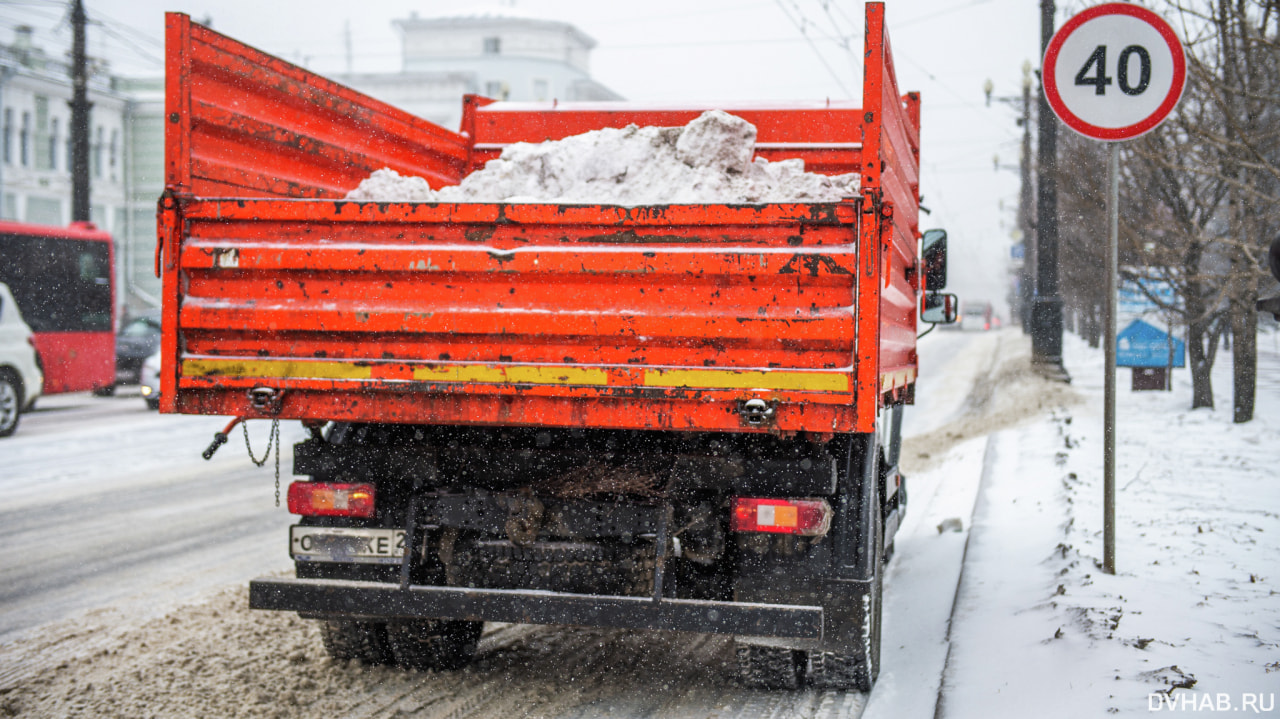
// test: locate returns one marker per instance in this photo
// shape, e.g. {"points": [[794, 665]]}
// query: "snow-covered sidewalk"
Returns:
{"points": [[1191, 621]]}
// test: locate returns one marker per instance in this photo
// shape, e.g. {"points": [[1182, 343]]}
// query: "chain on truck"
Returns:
{"points": [[678, 417]]}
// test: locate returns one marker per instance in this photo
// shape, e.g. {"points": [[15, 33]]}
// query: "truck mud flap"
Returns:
{"points": [[376, 600]]}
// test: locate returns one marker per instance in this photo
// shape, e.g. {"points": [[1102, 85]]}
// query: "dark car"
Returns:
{"points": [[138, 339]]}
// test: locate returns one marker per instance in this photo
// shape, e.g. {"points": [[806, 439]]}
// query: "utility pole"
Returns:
{"points": [[1046, 314], [1026, 224], [79, 117]]}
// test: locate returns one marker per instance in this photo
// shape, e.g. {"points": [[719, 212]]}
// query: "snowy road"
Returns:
{"points": [[109, 504], [146, 529]]}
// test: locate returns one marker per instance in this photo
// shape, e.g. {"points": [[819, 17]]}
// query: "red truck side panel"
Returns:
{"points": [[565, 315], [245, 124], [487, 307], [892, 134], [824, 135]]}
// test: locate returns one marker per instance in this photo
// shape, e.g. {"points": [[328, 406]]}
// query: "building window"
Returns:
{"points": [[97, 154], [497, 89], [540, 91], [53, 144], [492, 45], [115, 141], [8, 136], [24, 140], [43, 157], [44, 211]]}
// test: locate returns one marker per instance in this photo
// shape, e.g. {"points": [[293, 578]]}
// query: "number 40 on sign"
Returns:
{"points": [[1114, 71]]}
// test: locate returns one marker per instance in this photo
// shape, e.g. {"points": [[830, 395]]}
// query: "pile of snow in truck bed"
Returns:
{"points": [[706, 161]]}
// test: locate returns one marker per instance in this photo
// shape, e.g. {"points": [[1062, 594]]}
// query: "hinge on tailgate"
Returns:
{"points": [[266, 399], [870, 201], [757, 413]]}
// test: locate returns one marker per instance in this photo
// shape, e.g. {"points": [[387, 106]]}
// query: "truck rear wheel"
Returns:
{"points": [[858, 669], [852, 670], [433, 643], [769, 667], [367, 641]]}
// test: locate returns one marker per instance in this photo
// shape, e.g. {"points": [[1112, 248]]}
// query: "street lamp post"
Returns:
{"points": [[1046, 313], [80, 107], [1025, 222]]}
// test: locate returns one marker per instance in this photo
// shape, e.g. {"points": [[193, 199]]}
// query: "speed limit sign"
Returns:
{"points": [[1114, 72]]}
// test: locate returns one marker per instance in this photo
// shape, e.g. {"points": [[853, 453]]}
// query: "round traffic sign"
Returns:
{"points": [[1114, 71]]}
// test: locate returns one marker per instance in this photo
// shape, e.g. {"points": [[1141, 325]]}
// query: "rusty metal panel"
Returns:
{"points": [[824, 135], [891, 135], [241, 123], [693, 306], [565, 315]]}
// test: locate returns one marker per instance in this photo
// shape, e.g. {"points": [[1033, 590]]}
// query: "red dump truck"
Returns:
{"points": [[679, 417]]}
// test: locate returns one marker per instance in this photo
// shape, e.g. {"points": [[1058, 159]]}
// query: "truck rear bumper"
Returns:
{"points": [[345, 598]]}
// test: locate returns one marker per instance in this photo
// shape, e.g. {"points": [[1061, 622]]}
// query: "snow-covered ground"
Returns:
{"points": [[1004, 471], [1191, 620]]}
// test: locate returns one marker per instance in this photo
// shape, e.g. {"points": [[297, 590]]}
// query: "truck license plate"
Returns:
{"points": [[345, 544]]}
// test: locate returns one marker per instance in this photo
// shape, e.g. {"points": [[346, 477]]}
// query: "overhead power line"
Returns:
{"points": [[846, 39], [801, 26]]}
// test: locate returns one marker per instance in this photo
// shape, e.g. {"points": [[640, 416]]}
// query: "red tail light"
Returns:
{"points": [[324, 499], [806, 517]]}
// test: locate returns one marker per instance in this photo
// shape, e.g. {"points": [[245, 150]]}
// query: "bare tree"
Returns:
{"points": [[1200, 195], [1234, 58], [1082, 213], [1171, 230]]}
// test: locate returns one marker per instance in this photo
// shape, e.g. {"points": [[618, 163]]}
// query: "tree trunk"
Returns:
{"points": [[1094, 326], [1244, 354], [1202, 345]]}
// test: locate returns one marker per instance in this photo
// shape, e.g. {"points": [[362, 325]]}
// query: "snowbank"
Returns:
{"points": [[706, 161]]}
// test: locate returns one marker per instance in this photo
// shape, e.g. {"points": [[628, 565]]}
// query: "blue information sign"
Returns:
{"points": [[1141, 345]]}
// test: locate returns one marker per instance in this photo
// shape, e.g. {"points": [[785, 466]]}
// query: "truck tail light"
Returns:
{"points": [[324, 499], [805, 517]]}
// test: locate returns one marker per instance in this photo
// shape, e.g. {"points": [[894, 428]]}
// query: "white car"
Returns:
{"points": [[149, 378], [21, 376]]}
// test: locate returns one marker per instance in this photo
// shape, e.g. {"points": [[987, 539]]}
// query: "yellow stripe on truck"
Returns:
{"points": [[526, 374], [513, 375], [279, 369], [747, 379]]}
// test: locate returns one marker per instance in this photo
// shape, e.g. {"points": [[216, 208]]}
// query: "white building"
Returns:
{"points": [[502, 54], [35, 140]]}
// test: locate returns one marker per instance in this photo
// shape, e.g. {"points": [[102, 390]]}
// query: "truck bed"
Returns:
{"points": [[651, 317]]}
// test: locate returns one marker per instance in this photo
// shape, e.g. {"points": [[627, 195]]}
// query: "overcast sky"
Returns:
{"points": [[688, 51]]}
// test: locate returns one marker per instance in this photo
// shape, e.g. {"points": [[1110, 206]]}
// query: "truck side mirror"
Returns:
{"points": [[934, 253], [939, 308]]}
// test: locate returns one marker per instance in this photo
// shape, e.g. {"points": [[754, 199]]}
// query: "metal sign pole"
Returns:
{"points": [[1077, 75], [1109, 384]]}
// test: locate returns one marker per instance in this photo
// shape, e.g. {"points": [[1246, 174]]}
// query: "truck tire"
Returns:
{"points": [[859, 669], [769, 667], [433, 643], [346, 639], [10, 404]]}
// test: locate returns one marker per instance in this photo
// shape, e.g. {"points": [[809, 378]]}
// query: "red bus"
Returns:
{"points": [[63, 281]]}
